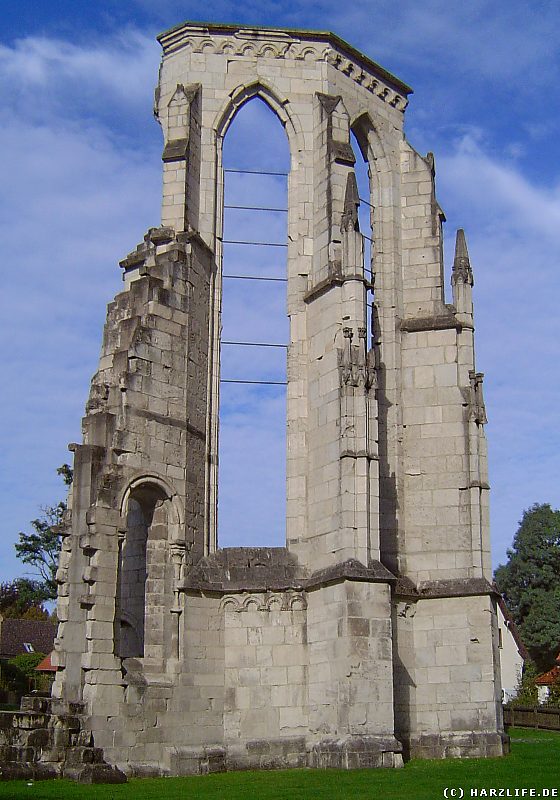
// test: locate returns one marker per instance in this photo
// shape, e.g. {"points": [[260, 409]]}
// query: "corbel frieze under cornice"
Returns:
{"points": [[282, 45]]}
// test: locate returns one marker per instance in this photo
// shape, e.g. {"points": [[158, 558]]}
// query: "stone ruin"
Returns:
{"points": [[372, 635]]}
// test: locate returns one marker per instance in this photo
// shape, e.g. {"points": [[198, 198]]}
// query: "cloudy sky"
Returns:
{"points": [[80, 166]]}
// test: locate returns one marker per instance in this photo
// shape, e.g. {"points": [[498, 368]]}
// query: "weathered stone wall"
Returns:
{"points": [[457, 698], [350, 676], [266, 666], [135, 503], [373, 630]]}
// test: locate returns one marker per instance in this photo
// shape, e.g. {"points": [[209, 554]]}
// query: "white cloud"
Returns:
{"points": [[497, 187], [491, 40], [513, 228], [123, 68], [77, 197]]}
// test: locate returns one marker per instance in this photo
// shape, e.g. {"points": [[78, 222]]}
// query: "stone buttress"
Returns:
{"points": [[373, 632]]}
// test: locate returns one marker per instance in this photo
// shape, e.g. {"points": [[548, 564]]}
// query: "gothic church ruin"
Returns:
{"points": [[371, 636]]}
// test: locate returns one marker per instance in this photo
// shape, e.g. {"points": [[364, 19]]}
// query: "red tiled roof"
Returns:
{"points": [[45, 665], [548, 678]]}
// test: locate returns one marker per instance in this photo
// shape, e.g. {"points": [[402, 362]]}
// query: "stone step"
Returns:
{"points": [[84, 755], [94, 773], [50, 705], [37, 772], [45, 740]]}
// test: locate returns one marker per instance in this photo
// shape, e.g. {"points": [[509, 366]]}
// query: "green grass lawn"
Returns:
{"points": [[534, 763]]}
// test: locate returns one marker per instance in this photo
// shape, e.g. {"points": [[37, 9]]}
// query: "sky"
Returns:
{"points": [[81, 181]]}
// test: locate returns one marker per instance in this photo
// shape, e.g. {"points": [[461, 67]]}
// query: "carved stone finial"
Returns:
{"points": [[431, 162], [477, 405], [462, 272], [351, 204]]}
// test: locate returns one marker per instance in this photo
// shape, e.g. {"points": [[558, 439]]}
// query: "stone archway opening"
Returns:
{"points": [[142, 572], [251, 507], [358, 140]]}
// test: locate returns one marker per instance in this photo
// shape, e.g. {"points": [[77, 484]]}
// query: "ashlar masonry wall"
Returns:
{"points": [[372, 633]]}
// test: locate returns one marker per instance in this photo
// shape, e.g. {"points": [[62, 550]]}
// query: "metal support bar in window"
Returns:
{"points": [[256, 344], [257, 244], [255, 172], [255, 208], [260, 383], [254, 278], [361, 199]]}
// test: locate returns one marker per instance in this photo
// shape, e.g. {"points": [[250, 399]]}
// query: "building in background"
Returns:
{"points": [[547, 680], [513, 652], [19, 636]]}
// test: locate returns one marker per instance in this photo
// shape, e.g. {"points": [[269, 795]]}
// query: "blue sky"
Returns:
{"points": [[80, 165]]}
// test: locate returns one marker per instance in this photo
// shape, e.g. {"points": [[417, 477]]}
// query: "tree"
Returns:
{"points": [[17, 674], [41, 549], [22, 599], [530, 582], [526, 693]]}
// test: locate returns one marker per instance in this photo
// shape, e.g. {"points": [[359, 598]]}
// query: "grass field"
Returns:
{"points": [[534, 763]]}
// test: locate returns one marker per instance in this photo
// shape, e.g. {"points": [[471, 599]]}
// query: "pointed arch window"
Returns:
{"points": [[253, 330], [358, 139]]}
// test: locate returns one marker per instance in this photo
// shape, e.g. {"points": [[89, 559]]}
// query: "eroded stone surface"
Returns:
{"points": [[373, 632]]}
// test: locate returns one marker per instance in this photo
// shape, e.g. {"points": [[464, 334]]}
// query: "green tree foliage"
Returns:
{"points": [[41, 548], [26, 663], [526, 692], [18, 672], [22, 599], [530, 582]]}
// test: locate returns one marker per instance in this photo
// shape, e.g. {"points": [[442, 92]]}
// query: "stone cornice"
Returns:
{"points": [[265, 569], [435, 322], [333, 280], [263, 42], [350, 570], [454, 587]]}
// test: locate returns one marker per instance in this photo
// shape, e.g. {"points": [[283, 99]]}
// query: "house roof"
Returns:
{"points": [[17, 634], [510, 624], [548, 678], [45, 665]]}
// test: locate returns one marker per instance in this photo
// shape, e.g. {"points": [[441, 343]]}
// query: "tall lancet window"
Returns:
{"points": [[251, 498], [365, 219]]}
